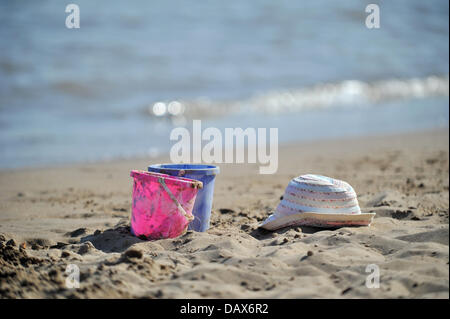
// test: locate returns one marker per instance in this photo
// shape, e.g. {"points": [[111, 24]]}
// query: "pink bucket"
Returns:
{"points": [[162, 204]]}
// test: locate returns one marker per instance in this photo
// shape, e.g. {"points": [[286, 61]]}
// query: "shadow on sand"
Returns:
{"points": [[261, 233]]}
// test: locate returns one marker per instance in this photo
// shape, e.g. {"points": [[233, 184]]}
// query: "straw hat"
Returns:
{"points": [[319, 201]]}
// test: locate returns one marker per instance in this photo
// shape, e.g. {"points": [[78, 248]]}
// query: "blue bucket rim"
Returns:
{"points": [[204, 169]]}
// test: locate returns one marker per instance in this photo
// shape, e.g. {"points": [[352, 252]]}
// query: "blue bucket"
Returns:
{"points": [[203, 203]]}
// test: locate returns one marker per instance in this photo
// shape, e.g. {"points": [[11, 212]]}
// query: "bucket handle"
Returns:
{"points": [[180, 208]]}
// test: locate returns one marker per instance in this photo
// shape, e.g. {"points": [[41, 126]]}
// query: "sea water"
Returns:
{"points": [[312, 69]]}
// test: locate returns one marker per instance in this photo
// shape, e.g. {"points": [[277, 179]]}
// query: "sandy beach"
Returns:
{"points": [[53, 217]]}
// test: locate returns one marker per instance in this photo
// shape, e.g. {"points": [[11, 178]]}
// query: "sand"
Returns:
{"points": [[53, 217]]}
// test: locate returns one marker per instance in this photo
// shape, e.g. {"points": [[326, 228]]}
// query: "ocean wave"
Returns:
{"points": [[349, 93]]}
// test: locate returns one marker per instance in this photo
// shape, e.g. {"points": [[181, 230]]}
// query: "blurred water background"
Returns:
{"points": [[135, 69]]}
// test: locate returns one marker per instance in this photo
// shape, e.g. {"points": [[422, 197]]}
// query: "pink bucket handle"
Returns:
{"points": [[172, 197]]}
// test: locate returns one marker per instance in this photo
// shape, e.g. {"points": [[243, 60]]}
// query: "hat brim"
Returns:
{"points": [[318, 220]]}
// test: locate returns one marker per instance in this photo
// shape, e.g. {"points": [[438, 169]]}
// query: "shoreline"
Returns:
{"points": [[79, 214], [164, 157]]}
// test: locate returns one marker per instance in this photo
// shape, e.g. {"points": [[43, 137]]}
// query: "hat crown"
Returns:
{"points": [[320, 194], [322, 183]]}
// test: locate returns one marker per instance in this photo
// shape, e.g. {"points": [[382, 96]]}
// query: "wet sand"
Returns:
{"points": [[79, 214]]}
